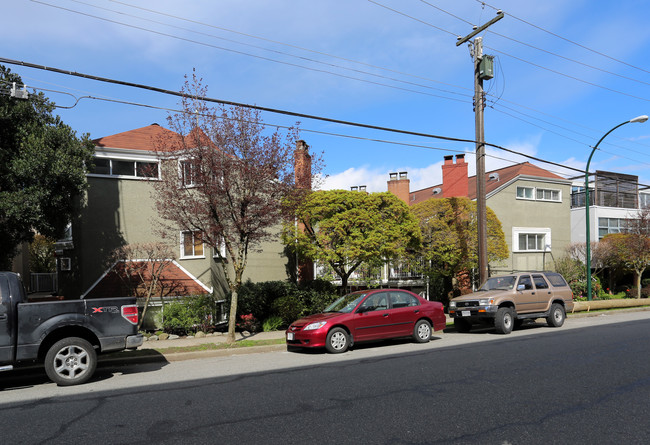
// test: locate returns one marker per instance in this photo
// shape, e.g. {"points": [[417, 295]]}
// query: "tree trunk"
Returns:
{"points": [[232, 319]]}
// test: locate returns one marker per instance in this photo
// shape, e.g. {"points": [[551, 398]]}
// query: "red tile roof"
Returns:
{"points": [[506, 174], [175, 281]]}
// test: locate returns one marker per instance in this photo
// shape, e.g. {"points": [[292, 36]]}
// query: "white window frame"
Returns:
{"points": [[184, 256], [610, 228], [544, 231], [532, 194], [222, 250], [182, 162], [135, 162], [535, 191]]}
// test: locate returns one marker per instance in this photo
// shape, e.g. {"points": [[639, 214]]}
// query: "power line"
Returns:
{"points": [[565, 39], [278, 111], [268, 58], [369, 65]]}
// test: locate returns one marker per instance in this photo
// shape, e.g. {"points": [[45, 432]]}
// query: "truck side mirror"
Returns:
{"points": [[521, 287]]}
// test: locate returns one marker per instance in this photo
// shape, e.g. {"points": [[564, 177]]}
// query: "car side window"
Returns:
{"points": [[375, 302], [402, 299], [526, 281], [540, 282]]}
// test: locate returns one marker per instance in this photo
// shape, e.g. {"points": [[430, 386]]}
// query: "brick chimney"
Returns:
{"points": [[302, 178], [399, 185], [302, 166], [454, 177]]}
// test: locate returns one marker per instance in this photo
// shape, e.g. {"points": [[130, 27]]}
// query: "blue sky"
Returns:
{"points": [[565, 73]]}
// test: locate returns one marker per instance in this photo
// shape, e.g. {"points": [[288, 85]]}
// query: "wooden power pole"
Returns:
{"points": [[480, 73]]}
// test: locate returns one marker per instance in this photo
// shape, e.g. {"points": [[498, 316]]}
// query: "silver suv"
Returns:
{"points": [[507, 300]]}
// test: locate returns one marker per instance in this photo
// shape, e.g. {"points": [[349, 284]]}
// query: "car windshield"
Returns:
{"points": [[346, 303], [500, 283]]}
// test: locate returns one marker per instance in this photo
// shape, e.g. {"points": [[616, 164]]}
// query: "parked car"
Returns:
{"points": [[65, 336], [506, 300], [368, 315]]}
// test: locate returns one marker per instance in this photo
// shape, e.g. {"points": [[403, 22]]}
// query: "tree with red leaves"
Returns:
{"points": [[225, 177]]}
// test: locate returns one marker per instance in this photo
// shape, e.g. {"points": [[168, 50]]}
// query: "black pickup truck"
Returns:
{"points": [[65, 335]]}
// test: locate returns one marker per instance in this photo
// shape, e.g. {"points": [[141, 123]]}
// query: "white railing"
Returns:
{"points": [[43, 282]]}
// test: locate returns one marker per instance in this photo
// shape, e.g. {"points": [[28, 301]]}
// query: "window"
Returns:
{"points": [[548, 195], [191, 245], [402, 299], [124, 168], [526, 282], [525, 192], [644, 200], [609, 225], [540, 282], [531, 239], [376, 302], [556, 279], [539, 194], [189, 172]]}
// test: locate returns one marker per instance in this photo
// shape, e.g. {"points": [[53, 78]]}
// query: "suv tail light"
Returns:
{"points": [[130, 313]]}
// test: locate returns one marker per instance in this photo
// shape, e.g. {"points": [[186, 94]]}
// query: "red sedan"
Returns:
{"points": [[368, 315]]}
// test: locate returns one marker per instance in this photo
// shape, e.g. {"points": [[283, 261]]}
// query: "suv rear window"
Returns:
{"points": [[556, 279]]}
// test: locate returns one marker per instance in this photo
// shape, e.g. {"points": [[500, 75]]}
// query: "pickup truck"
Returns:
{"points": [[507, 300], [65, 335]]}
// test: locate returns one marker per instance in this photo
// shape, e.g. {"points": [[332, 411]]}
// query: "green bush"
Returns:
{"points": [[189, 314], [273, 323], [283, 299]]}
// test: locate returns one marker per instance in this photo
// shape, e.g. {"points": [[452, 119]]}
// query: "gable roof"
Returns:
{"points": [[506, 175], [175, 279]]}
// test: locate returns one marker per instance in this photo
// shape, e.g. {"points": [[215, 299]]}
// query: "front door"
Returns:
{"points": [[372, 320], [526, 298]]}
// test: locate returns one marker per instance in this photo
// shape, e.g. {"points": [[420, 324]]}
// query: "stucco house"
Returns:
{"points": [[117, 209], [533, 205]]}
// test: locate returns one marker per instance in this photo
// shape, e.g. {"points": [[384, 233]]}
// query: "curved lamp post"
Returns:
{"points": [[588, 233]]}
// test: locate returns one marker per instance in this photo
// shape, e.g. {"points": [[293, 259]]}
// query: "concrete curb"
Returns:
{"points": [[158, 352]]}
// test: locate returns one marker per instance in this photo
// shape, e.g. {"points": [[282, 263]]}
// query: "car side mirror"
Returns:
{"points": [[521, 287], [363, 309]]}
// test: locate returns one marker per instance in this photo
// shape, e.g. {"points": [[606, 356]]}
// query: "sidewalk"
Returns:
{"points": [[164, 350]]}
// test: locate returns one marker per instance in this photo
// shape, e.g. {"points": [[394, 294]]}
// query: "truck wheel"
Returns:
{"points": [[504, 320], [422, 331], [462, 325], [70, 361], [337, 341], [556, 317]]}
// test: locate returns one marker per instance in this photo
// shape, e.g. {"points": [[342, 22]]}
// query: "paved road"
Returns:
{"points": [[587, 382]]}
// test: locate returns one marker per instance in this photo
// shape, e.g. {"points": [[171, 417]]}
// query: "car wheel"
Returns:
{"points": [[556, 317], [337, 341], [504, 320], [422, 331], [70, 361], [462, 325]]}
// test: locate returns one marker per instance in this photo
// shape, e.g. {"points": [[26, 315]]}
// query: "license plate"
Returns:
{"points": [[465, 313], [289, 335]]}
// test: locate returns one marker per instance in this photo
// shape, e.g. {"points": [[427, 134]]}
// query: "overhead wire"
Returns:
{"points": [[251, 55], [282, 112], [253, 36], [566, 39]]}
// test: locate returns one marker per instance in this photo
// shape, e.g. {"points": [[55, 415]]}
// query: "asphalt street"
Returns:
{"points": [[586, 382]]}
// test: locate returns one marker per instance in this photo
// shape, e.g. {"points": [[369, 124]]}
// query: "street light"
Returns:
{"points": [[640, 119]]}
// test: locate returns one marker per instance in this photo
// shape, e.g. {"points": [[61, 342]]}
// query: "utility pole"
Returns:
{"points": [[481, 71]]}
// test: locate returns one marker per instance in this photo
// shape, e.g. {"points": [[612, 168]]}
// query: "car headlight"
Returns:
{"points": [[452, 305], [315, 325], [485, 302]]}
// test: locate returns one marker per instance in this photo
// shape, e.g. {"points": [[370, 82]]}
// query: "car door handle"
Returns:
{"points": [[416, 311], [385, 315]]}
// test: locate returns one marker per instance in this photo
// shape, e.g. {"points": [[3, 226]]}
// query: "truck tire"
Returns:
{"points": [[462, 325], [556, 316], [70, 361], [504, 320]]}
